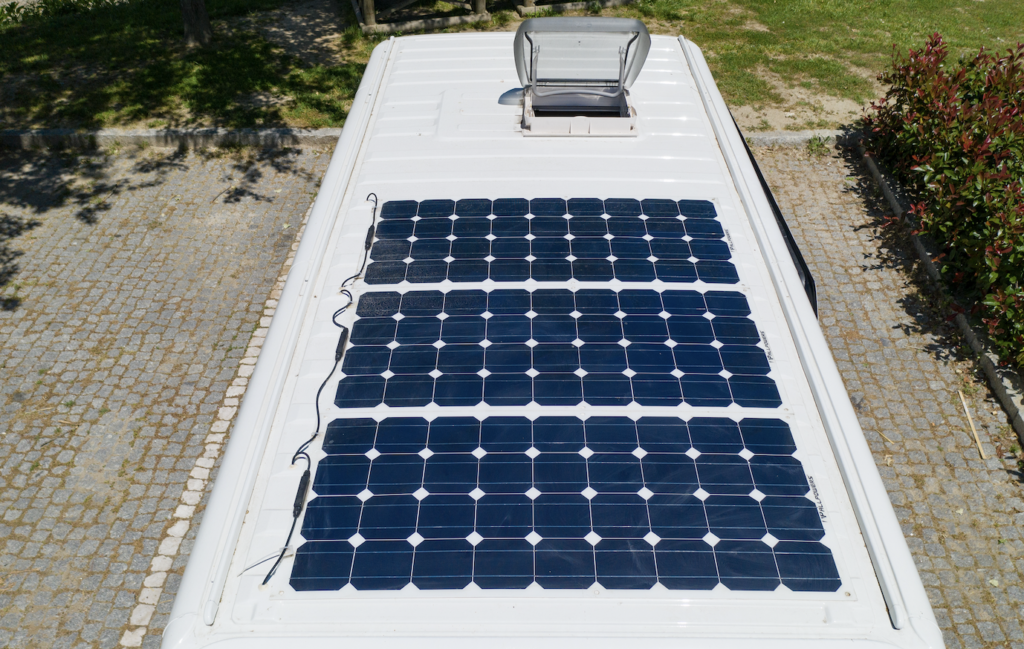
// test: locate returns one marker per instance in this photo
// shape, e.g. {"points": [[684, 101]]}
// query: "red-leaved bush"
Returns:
{"points": [[953, 133]]}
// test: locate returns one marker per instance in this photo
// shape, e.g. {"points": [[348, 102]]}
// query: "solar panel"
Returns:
{"points": [[563, 502], [505, 502], [549, 239], [555, 347]]}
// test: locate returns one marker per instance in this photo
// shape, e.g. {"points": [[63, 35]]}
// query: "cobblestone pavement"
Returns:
{"points": [[902, 365], [143, 277], [133, 284]]}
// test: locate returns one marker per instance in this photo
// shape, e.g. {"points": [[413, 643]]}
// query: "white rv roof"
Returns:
{"points": [[607, 498]]}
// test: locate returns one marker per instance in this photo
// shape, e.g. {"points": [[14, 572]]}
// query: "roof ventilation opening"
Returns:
{"points": [[576, 74]]}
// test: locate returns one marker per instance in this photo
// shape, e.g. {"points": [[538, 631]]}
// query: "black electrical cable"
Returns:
{"points": [[300, 453], [370, 232]]}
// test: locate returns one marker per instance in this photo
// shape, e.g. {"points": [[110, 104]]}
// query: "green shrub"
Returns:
{"points": [[953, 132]]}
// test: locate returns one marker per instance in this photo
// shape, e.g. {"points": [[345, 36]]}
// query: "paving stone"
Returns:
{"points": [[953, 506], [129, 287]]}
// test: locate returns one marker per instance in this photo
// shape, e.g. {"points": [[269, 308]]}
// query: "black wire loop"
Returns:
{"points": [[301, 452]]}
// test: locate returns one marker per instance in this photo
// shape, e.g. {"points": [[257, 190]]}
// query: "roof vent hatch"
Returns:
{"points": [[576, 74]]}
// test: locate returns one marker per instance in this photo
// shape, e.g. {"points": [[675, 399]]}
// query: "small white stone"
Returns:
{"points": [[155, 580], [142, 615], [161, 564], [133, 638], [150, 595], [169, 546], [178, 529]]}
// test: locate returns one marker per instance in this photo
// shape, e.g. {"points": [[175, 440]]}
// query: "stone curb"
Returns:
{"points": [[269, 138], [167, 138], [1005, 381], [792, 138]]}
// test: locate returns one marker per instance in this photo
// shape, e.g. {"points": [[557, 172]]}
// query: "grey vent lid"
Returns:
{"points": [[580, 52]]}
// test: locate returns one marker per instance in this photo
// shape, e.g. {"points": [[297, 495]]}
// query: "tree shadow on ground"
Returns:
{"points": [[10, 228], [249, 167], [929, 313], [42, 185]]}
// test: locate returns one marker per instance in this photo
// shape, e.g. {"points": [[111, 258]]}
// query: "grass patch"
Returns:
{"points": [[836, 46], [123, 64]]}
